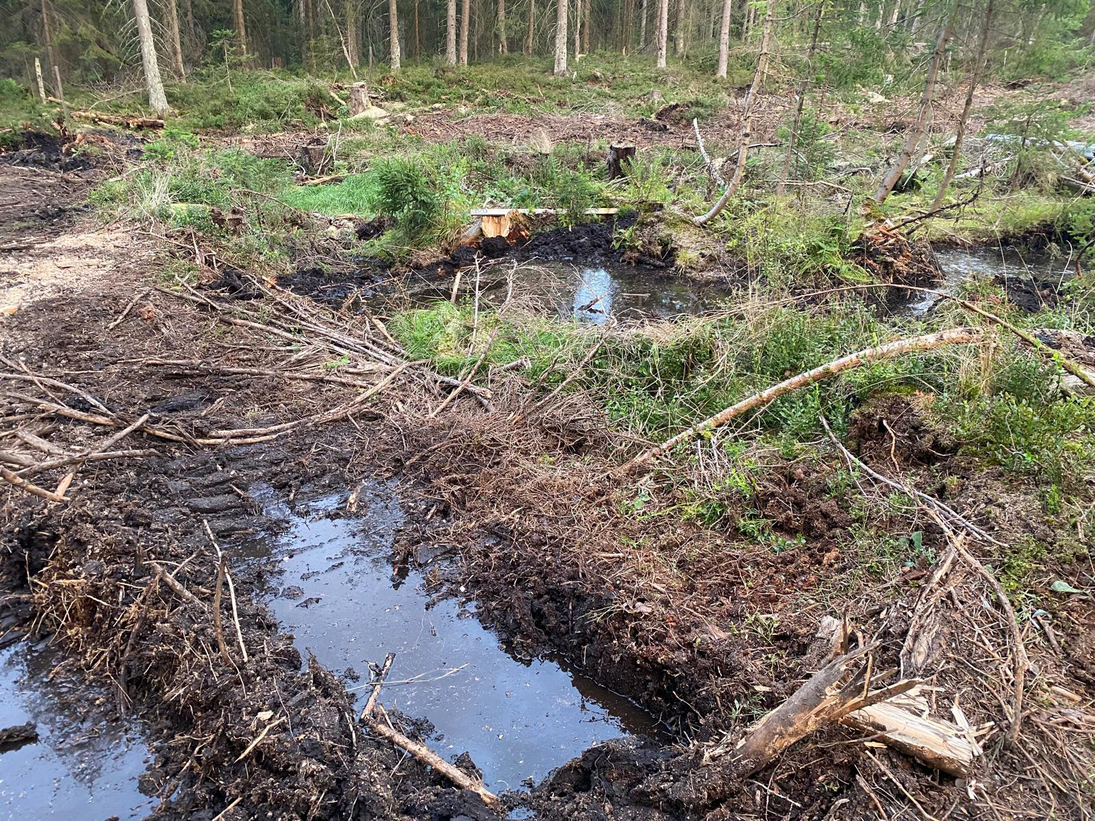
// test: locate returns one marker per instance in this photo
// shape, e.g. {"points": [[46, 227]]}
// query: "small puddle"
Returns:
{"points": [[80, 766], [588, 294], [518, 718]]}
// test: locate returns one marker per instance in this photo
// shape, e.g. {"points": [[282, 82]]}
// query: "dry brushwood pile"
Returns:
{"points": [[138, 417]]}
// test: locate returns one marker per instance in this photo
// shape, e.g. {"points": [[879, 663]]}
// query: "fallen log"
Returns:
{"points": [[864, 357]]}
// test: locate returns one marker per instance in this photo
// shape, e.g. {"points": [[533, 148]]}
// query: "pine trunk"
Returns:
{"points": [[393, 34], [724, 37], [531, 26], [450, 33], [47, 35], [353, 44], [678, 33], [587, 12], [642, 25], [176, 39], [241, 25], [465, 21], [502, 47], [157, 101], [561, 39], [800, 99], [746, 133]]}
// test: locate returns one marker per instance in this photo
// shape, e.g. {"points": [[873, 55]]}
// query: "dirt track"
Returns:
{"points": [[661, 610]]}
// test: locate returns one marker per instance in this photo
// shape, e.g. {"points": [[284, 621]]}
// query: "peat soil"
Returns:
{"points": [[704, 626]]}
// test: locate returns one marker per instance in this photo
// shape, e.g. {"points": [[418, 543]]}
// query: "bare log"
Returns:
{"points": [[855, 360]]}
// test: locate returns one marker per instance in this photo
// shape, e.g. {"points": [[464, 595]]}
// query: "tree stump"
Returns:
{"points": [[618, 156], [359, 98]]}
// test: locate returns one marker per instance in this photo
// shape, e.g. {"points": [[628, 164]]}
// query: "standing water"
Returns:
{"points": [[80, 767], [518, 718]]}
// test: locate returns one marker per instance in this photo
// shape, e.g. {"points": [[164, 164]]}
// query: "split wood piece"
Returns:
{"points": [[940, 745], [428, 756], [836, 690], [536, 212], [919, 646], [19, 734], [385, 668], [114, 119], [930, 501], [867, 356], [198, 367], [218, 625]]}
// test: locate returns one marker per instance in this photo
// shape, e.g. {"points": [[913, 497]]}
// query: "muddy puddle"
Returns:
{"points": [[590, 294], [81, 766], [518, 718]]}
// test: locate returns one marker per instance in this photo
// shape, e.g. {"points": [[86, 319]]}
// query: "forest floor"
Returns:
{"points": [[695, 589]]}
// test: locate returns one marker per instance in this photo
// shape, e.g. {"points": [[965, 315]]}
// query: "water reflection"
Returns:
{"points": [[518, 718]]}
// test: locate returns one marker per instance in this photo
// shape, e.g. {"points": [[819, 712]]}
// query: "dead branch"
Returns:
{"points": [[957, 336], [127, 309], [1021, 660], [231, 588], [378, 682], [23, 484], [218, 625], [428, 756]]}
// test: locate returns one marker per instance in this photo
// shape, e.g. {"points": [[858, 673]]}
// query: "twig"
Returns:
{"points": [[428, 756], [471, 374], [231, 588], [174, 584], [127, 309], [258, 740], [1022, 662], [377, 684], [930, 501], [33, 489]]}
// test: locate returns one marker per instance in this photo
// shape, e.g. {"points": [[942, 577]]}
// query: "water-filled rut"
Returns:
{"points": [[518, 718]]}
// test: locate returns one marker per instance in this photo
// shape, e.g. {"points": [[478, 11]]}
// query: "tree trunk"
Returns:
{"points": [[502, 47], [642, 25], [417, 36], [662, 31], [724, 37], [353, 38], [531, 26], [561, 39], [393, 34], [975, 75], [193, 44], [800, 95], [241, 24], [465, 21], [176, 39], [450, 33], [746, 120], [889, 180], [577, 30], [678, 33], [895, 14], [586, 13], [157, 101], [47, 34]]}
